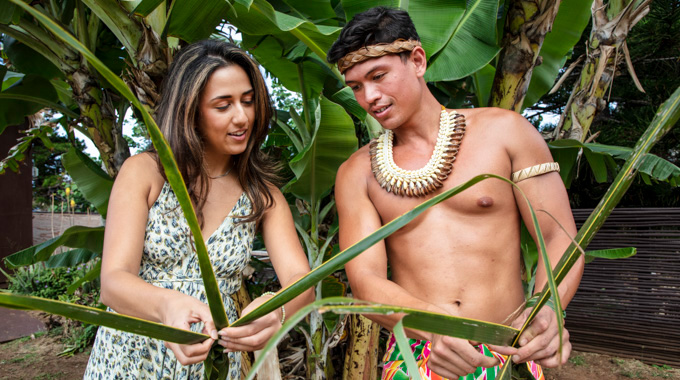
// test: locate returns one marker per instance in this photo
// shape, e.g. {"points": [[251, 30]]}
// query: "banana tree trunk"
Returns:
{"points": [[361, 360], [527, 23], [606, 49], [99, 117]]}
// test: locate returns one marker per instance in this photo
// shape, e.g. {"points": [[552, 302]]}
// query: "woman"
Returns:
{"points": [[214, 112]]}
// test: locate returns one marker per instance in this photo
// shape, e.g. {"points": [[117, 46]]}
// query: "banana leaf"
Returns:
{"points": [[611, 254], [165, 154], [92, 181], [100, 317], [71, 258], [334, 140], [90, 238], [601, 157]]}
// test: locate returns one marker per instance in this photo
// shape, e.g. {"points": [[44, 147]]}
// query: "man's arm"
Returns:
{"points": [[367, 273], [546, 192]]}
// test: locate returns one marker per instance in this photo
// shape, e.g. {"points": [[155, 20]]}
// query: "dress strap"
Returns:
{"points": [[535, 171]]}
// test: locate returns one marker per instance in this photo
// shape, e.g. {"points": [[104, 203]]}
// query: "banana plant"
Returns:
{"points": [[606, 49], [536, 38]]}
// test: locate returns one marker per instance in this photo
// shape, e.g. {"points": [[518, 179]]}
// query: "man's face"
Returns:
{"points": [[386, 87]]}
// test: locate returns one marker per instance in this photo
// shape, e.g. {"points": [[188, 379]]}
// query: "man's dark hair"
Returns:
{"points": [[374, 26]]}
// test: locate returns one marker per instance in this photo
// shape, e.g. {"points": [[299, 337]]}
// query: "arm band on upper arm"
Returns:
{"points": [[535, 170]]}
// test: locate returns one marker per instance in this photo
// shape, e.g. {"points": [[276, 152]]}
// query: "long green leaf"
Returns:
{"points": [[90, 238], [442, 324], [100, 317], [666, 117], [405, 348], [614, 253], [92, 181], [165, 154]]}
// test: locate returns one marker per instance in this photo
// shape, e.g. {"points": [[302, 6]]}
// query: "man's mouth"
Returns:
{"points": [[380, 110]]}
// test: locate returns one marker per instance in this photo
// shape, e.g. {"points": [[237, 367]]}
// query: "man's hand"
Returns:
{"points": [[181, 311], [540, 342], [254, 335], [452, 357]]}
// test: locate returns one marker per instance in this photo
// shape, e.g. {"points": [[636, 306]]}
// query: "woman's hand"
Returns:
{"points": [[255, 334], [181, 311]]}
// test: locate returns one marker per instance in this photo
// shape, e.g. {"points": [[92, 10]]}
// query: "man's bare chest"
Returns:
{"points": [[476, 156]]}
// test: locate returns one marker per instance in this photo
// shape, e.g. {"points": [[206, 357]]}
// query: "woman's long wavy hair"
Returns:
{"points": [[178, 118]]}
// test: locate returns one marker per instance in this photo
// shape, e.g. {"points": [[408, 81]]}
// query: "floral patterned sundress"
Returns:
{"points": [[169, 262]]}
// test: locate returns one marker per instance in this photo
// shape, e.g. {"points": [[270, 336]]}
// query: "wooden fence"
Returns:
{"points": [[631, 307]]}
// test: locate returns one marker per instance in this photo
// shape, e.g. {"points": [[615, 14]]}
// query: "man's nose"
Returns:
{"points": [[371, 94]]}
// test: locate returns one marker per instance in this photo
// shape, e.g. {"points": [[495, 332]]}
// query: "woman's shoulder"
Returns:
{"points": [[140, 173]]}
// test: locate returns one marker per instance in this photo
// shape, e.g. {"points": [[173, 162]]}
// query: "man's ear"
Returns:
{"points": [[419, 60]]}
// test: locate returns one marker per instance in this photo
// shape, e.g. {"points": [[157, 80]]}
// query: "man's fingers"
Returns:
{"points": [[503, 350], [557, 360]]}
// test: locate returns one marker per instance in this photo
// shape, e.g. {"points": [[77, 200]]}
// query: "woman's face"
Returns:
{"points": [[227, 111]]}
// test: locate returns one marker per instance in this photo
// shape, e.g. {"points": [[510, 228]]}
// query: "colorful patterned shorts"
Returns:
{"points": [[395, 367]]}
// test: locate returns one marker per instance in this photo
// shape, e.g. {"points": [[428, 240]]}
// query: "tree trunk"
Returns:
{"points": [[527, 23], [361, 360], [606, 49]]}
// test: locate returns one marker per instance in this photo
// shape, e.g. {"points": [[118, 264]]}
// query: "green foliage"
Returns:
{"points": [[39, 281], [79, 339]]}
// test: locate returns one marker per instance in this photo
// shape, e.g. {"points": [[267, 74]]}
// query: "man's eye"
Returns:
{"points": [[354, 88]]}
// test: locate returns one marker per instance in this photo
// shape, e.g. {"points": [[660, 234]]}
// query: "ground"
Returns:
{"points": [[36, 359]]}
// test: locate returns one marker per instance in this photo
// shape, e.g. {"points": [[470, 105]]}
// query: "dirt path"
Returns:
{"points": [[36, 359]]}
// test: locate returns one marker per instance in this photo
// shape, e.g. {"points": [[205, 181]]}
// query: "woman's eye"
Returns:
{"points": [[224, 107], [248, 101]]}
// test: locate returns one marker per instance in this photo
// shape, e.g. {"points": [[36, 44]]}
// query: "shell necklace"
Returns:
{"points": [[416, 183]]}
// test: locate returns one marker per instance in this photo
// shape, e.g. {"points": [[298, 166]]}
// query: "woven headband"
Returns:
{"points": [[375, 51]]}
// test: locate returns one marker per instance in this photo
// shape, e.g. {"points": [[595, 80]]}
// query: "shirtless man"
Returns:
{"points": [[461, 257]]}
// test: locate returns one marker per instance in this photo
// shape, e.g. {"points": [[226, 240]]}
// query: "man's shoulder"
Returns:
{"points": [[358, 163], [492, 116]]}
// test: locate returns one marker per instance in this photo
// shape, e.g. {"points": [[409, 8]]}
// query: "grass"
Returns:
{"points": [[49, 376], [28, 358], [577, 361]]}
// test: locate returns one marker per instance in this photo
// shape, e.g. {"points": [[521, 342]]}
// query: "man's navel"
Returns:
{"points": [[485, 202]]}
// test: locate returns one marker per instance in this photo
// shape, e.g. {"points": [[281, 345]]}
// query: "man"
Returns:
{"points": [[461, 257]]}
